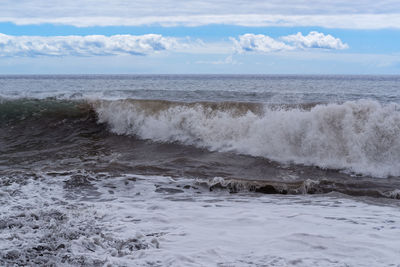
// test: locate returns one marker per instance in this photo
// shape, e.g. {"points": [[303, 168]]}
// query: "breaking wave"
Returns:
{"points": [[362, 136], [358, 136]]}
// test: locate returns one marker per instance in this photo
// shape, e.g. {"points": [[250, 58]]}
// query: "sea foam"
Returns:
{"points": [[361, 136]]}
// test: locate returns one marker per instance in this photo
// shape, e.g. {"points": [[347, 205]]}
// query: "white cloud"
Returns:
{"points": [[100, 45], [260, 43], [315, 40], [365, 14], [90, 45], [339, 21]]}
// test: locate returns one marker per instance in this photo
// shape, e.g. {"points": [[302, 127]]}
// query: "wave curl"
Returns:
{"points": [[359, 136]]}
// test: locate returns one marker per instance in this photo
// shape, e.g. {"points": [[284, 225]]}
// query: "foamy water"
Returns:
{"points": [[361, 136], [79, 219]]}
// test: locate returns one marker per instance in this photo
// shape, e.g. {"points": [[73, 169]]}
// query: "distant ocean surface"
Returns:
{"points": [[200, 170]]}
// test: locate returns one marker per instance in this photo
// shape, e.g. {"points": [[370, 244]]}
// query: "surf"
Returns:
{"points": [[358, 136]]}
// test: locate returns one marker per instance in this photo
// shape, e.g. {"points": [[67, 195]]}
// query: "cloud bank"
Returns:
{"points": [[366, 14], [90, 45], [259, 43], [100, 45]]}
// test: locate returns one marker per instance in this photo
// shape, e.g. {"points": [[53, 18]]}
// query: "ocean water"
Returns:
{"points": [[200, 170]]}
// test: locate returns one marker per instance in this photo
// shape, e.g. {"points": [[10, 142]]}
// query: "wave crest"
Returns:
{"points": [[361, 136]]}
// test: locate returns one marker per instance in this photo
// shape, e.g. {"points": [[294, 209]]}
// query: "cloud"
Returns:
{"points": [[100, 45], [90, 45], [315, 40], [259, 43], [366, 14], [333, 21]]}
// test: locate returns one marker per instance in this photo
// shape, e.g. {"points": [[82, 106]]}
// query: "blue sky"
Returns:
{"points": [[200, 36]]}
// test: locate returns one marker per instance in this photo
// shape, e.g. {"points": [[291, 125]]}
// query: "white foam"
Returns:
{"points": [[361, 136], [191, 229]]}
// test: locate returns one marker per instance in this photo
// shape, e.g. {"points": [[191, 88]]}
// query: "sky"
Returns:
{"points": [[200, 37]]}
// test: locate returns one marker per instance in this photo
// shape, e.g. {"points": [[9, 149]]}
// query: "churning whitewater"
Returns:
{"points": [[359, 136]]}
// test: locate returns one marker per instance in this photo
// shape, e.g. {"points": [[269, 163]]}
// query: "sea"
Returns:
{"points": [[199, 170]]}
